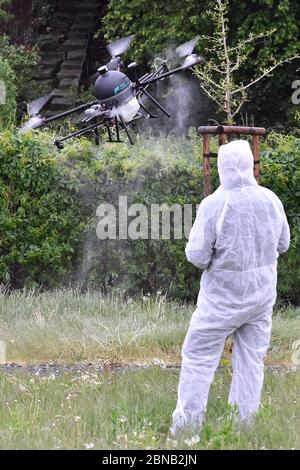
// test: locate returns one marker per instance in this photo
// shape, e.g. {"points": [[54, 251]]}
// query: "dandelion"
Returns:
{"points": [[192, 441], [195, 439], [89, 445], [188, 442], [123, 419], [77, 418]]}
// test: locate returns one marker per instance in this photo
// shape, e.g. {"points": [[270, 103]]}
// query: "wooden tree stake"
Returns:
{"points": [[222, 132]]}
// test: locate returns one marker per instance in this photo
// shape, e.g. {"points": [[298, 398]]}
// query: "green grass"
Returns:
{"points": [[129, 409], [133, 411]]}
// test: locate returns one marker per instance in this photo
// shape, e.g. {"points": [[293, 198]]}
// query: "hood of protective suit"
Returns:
{"points": [[235, 165]]}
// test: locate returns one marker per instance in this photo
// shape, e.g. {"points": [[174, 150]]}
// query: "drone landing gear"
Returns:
{"points": [[154, 101], [110, 136], [97, 136], [149, 114], [117, 126]]}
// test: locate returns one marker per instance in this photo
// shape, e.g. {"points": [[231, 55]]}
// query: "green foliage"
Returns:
{"points": [[8, 93], [48, 202], [159, 24], [41, 217], [156, 24], [22, 60], [272, 97], [4, 14], [281, 173]]}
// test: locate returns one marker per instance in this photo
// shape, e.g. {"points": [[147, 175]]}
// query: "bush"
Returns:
{"points": [[281, 173], [48, 201], [23, 61], [41, 215], [7, 94]]}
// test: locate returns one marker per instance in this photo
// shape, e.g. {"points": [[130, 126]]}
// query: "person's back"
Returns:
{"points": [[237, 236]]}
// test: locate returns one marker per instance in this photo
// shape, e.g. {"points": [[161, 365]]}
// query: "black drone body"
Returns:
{"points": [[118, 99]]}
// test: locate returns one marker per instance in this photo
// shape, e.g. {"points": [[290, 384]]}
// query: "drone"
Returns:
{"points": [[119, 101]]}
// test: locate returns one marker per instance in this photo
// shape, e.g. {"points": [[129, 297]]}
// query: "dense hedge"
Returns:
{"points": [[48, 203]]}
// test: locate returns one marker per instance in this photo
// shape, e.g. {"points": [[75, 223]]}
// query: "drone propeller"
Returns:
{"points": [[33, 123], [35, 106], [191, 60], [187, 48], [35, 120], [120, 46], [115, 49]]}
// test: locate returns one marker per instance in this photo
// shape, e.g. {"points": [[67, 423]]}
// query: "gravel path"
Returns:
{"points": [[46, 369]]}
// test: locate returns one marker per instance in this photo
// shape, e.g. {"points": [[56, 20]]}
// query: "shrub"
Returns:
{"points": [[41, 217], [7, 94], [281, 173], [23, 61], [48, 202]]}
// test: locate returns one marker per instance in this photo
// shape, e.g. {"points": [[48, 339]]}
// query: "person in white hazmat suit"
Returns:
{"points": [[237, 236]]}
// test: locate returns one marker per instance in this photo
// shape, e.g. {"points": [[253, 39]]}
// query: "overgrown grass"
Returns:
{"points": [[69, 326], [132, 408]]}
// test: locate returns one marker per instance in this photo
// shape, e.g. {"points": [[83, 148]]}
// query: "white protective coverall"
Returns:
{"points": [[236, 238]]}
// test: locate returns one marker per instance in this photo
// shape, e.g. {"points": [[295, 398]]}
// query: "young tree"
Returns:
{"points": [[218, 75]]}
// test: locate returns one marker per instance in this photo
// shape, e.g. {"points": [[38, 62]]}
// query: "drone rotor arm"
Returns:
{"points": [[59, 142], [82, 107]]}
